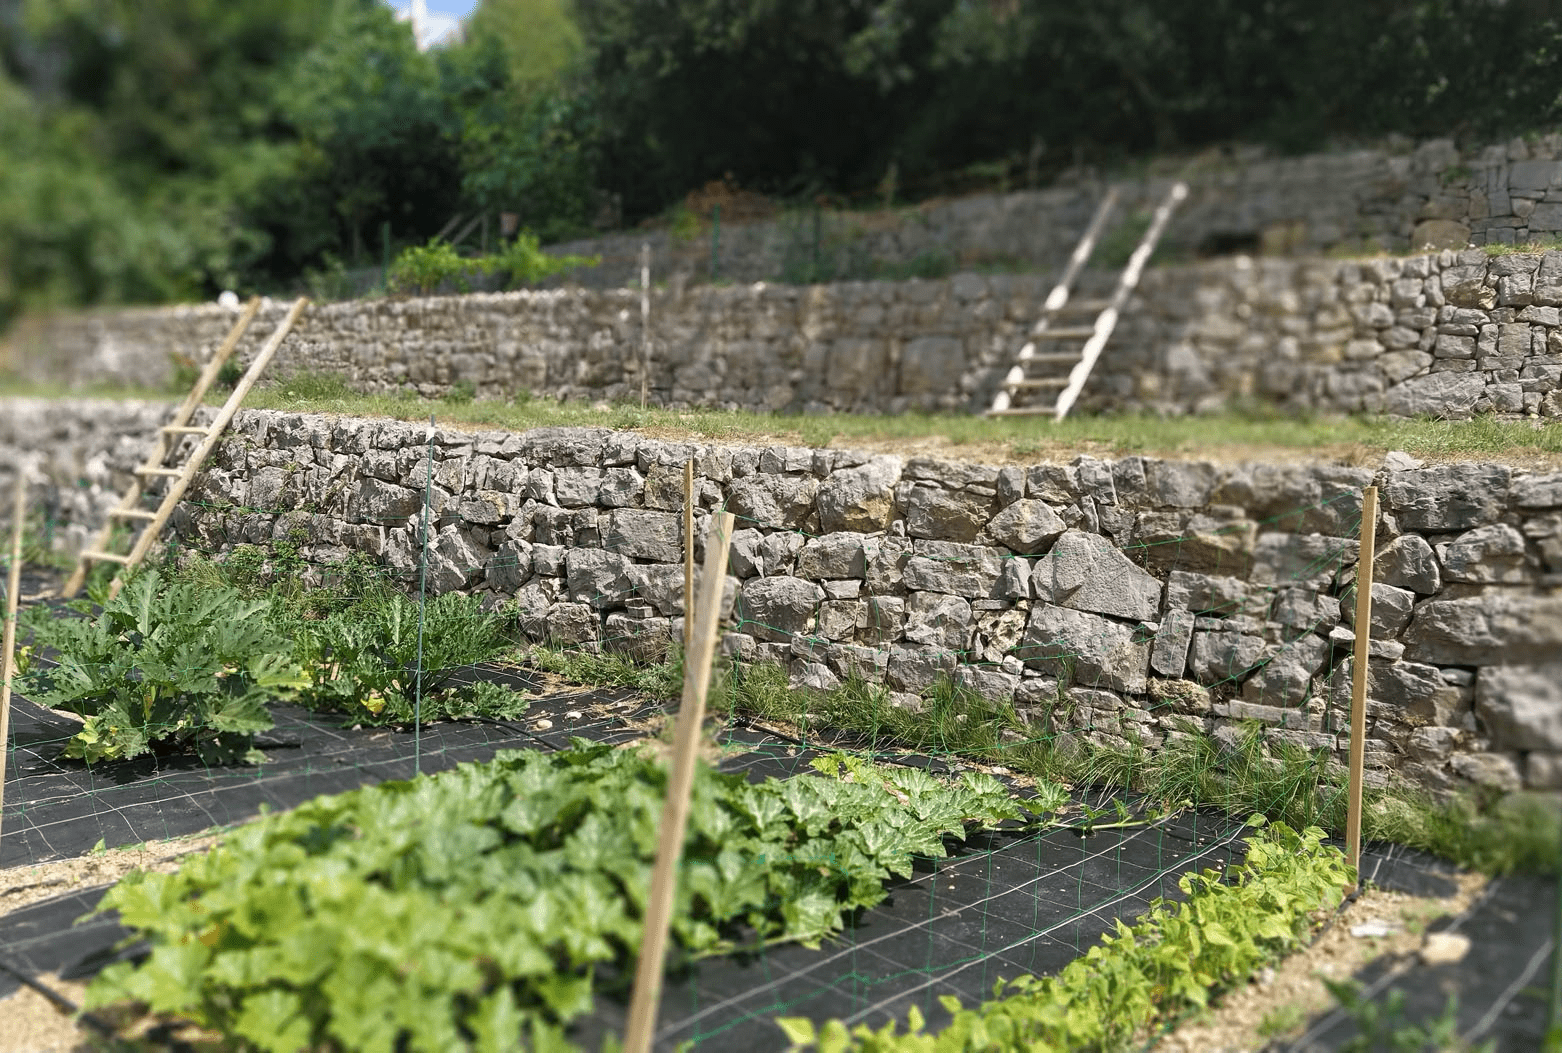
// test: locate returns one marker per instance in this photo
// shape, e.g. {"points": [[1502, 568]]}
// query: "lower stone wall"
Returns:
{"points": [[1449, 335], [1110, 600]]}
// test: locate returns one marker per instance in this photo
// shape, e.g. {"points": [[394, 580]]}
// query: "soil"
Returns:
{"points": [[1246, 1019], [26, 884], [33, 1024]]}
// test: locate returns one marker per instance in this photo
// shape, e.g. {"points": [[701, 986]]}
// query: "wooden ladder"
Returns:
{"points": [[169, 439], [1077, 347]]}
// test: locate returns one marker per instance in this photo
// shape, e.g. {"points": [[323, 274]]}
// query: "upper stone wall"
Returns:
{"points": [[1391, 198], [1114, 601], [1449, 334]]}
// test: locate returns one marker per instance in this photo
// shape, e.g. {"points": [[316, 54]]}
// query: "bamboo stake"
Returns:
{"points": [[12, 595], [1358, 701], [680, 782], [688, 553]]}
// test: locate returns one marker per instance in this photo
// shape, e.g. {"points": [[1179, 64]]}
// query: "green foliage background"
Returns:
{"points": [[157, 149]]}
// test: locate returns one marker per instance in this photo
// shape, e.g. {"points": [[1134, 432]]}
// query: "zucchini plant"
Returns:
{"points": [[475, 909], [165, 663]]}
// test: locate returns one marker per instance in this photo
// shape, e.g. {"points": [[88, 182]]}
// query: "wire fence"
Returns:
{"points": [[947, 656]]}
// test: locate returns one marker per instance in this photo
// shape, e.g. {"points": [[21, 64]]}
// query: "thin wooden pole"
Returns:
{"points": [[12, 595], [1358, 701], [645, 322], [688, 553], [680, 782]]}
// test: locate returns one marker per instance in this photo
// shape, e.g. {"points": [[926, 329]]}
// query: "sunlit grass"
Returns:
{"points": [[1240, 431]]}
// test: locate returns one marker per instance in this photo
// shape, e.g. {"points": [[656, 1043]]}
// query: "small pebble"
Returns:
{"points": [[1372, 928], [544, 725], [573, 714], [1444, 948]]}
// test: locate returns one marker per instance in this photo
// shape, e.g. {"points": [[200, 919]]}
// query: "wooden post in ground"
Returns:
{"points": [[1358, 701], [680, 782], [688, 553], [13, 590], [645, 322]]}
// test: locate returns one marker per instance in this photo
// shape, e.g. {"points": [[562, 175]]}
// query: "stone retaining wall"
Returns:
{"points": [[1111, 600], [1393, 198], [1450, 334]]}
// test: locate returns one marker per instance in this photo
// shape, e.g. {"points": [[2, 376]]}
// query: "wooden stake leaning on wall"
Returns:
{"points": [[1358, 695], [680, 783], [688, 553], [13, 590]]}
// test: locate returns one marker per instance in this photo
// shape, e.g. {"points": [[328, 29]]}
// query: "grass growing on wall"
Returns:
{"points": [[1247, 431]]}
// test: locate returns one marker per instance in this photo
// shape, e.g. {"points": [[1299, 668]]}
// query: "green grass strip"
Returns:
{"points": [[1173, 959]]}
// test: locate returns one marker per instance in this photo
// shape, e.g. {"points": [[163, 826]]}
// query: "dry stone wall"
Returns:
{"points": [[1448, 334], [1397, 198], [1112, 601]]}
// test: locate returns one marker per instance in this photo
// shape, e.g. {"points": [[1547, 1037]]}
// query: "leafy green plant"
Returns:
{"points": [[366, 660], [475, 909], [1174, 958], [165, 662], [423, 268], [522, 261], [1282, 1020]]}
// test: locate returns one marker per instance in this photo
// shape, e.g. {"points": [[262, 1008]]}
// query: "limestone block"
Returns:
{"points": [[645, 534], [1445, 394], [946, 515], [1407, 562], [1097, 651], [972, 571], [1285, 678], [1223, 657], [1487, 555], [778, 608], [1087, 572], [1308, 560], [601, 579], [773, 501], [835, 555], [1493, 628], [1026, 527], [1520, 706], [1447, 497], [938, 621], [1214, 595], [860, 498], [1169, 655], [1391, 608]]}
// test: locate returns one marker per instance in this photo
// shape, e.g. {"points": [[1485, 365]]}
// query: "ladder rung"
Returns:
{"points": [[1073, 333], [172, 473], [105, 557], [133, 513], [1023, 411], [1044, 382], [1054, 356], [1084, 306], [181, 429]]}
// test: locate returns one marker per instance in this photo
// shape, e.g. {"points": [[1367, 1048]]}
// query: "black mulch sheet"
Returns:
{"points": [[1007, 905], [1502, 984]]}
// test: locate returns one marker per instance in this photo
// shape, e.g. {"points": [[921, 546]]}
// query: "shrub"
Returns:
{"points": [[423, 268]]}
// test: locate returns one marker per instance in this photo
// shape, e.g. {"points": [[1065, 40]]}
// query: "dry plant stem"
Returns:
{"points": [[675, 811], [12, 595], [1358, 708]]}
